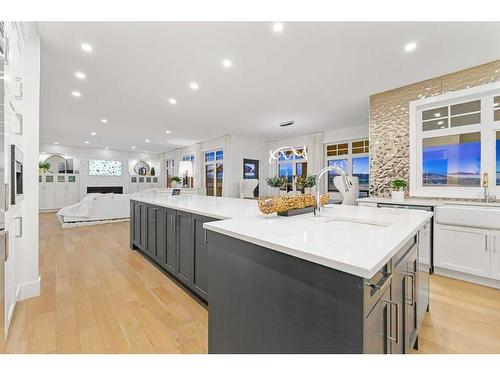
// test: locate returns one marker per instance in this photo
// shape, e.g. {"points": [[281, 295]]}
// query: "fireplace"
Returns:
{"points": [[105, 189]]}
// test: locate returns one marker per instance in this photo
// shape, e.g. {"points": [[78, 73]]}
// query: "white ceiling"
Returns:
{"points": [[318, 74]]}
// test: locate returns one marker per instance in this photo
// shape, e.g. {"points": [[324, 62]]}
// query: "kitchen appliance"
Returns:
{"points": [[16, 175]]}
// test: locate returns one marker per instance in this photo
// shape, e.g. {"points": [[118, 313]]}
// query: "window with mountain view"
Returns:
{"points": [[453, 160]]}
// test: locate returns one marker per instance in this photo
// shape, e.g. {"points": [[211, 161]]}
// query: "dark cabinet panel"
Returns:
{"points": [[185, 248], [151, 240], [138, 225], [377, 327], [200, 272], [170, 241]]}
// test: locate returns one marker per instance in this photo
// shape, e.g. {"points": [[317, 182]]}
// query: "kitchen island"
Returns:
{"points": [[345, 282]]}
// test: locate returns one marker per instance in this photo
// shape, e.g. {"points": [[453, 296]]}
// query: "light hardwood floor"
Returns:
{"points": [[100, 297]]}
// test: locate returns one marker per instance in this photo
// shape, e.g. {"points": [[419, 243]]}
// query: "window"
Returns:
{"points": [[170, 171], [189, 181], [454, 139], [353, 158], [290, 165], [214, 171], [453, 160], [497, 147], [105, 167]]}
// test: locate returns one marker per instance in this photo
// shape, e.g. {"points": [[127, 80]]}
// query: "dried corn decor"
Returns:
{"points": [[270, 205]]}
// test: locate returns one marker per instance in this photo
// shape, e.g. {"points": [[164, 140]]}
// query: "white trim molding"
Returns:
{"points": [[487, 129]]}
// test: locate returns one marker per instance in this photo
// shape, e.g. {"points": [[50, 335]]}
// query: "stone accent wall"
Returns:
{"points": [[389, 121]]}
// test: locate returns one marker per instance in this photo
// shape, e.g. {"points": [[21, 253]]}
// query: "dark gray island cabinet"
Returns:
{"points": [[173, 239], [266, 301]]}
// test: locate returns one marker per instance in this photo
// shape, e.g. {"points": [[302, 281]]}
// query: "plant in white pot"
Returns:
{"points": [[176, 180], [307, 183], [276, 182], [398, 187]]}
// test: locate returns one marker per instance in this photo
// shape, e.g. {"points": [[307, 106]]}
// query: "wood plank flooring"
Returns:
{"points": [[100, 297]]}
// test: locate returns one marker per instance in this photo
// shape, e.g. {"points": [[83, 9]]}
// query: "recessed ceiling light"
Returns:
{"points": [[133, 147], [168, 131], [278, 27], [172, 101], [410, 46], [56, 143], [76, 94], [147, 140], [93, 134], [194, 86], [437, 114], [86, 47], [104, 120], [80, 75], [226, 63], [87, 142]]}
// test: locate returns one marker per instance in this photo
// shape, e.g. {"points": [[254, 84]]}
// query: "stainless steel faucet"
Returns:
{"points": [[487, 197], [347, 184]]}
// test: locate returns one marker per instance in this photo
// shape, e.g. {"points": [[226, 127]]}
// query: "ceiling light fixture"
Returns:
{"points": [[172, 101], [56, 143], [87, 142], [93, 134], [147, 140], [278, 27], [194, 86], [86, 47], [104, 121], [168, 131], [76, 94], [133, 147], [226, 63], [287, 123], [80, 75], [410, 46]]}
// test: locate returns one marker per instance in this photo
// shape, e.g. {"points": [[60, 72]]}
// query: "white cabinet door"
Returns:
{"points": [[495, 254], [462, 249], [72, 193], [60, 194], [49, 196]]}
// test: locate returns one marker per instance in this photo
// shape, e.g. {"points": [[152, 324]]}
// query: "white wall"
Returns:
{"points": [[247, 148], [346, 134], [30, 270], [81, 155]]}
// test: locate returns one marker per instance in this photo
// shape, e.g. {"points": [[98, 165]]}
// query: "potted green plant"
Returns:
{"points": [[43, 166], [176, 180], [276, 182], [398, 187], [307, 182]]}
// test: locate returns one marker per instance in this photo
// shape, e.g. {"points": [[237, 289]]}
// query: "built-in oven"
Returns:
{"points": [[16, 175]]}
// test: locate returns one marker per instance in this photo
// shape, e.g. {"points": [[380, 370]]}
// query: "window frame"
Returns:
{"points": [[213, 162], [192, 158], [487, 129], [294, 161], [349, 156]]}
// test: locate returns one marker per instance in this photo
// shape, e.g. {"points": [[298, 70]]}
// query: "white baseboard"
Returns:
{"points": [[95, 222], [30, 289], [467, 277]]}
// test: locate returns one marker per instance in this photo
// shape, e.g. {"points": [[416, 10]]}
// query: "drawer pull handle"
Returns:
{"points": [[390, 337]]}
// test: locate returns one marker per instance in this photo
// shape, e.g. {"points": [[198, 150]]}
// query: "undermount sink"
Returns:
{"points": [[340, 219], [480, 216]]}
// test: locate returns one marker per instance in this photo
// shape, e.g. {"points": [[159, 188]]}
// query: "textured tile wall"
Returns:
{"points": [[389, 121]]}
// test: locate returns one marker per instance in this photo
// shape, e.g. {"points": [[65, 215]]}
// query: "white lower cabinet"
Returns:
{"points": [[58, 190], [462, 249], [495, 255]]}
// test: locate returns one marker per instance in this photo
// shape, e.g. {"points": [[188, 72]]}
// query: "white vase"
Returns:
{"points": [[307, 190], [398, 195]]}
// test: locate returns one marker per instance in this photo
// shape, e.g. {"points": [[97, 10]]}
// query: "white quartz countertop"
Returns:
{"points": [[411, 201], [356, 240], [216, 207]]}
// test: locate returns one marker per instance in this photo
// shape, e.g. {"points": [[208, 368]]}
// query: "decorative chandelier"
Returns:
{"points": [[288, 153]]}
